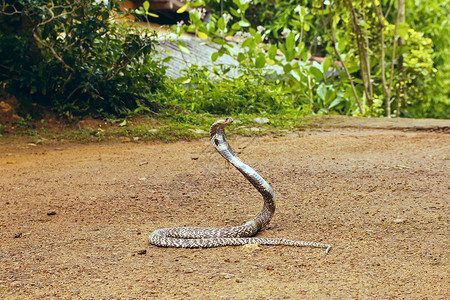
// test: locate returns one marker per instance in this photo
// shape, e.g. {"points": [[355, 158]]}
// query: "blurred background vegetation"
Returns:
{"points": [[80, 59]]}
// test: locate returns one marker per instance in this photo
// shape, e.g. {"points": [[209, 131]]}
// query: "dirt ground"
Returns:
{"points": [[74, 219]]}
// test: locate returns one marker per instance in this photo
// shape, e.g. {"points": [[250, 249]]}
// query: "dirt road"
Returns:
{"points": [[74, 219]]}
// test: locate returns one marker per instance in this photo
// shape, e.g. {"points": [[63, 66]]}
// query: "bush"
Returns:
{"points": [[76, 58]]}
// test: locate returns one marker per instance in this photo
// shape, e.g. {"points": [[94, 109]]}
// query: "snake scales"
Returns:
{"points": [[193, 237]]}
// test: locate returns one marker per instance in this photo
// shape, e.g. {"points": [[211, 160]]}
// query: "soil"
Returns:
{"points": [[74, 218]]}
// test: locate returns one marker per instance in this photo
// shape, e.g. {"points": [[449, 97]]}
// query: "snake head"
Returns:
{"points": [[224, 122], [219, 125]]}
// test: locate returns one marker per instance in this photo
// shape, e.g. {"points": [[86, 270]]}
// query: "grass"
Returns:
{"points": [[174, 126]]}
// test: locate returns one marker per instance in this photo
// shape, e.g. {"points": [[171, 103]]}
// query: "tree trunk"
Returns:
{"points": [[401, 88]]}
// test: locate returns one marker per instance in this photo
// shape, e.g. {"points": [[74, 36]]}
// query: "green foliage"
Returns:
{"points": [[75, 58], [263, 81], [426, 66], [246, 94]]}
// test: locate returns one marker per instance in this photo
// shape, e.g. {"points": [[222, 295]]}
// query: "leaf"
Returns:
{"points": [[295, 74], [321, 91], [287, 68], [290, 41], [240, 57], [236, 26], [123, 124], [260, 61], [219, 41], [152, 15], [146, 5], [183, 8], [326, 64], [182, 47], [244, 23], [215, 56], [258, 38], [335, 102], [202, 35], [221, 23], [317, 73], [272, 51], [248, 42]]}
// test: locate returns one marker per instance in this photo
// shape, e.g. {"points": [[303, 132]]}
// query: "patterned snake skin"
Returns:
{"points": [[194, 237]]}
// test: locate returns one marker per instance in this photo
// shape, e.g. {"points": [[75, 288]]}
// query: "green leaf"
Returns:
{"points": [[152, 15], [290, 40], [321, 91], [183, 8], [236, 26], [335, 102], [123, 124], [240, 57], [248, 43], [146, 5], [272, 51], [316, 72], [182, 47], [258, 38], [219, 41], [260, 61], [287, 68], [215, 56], [221, 23], [202, 35], [244, 23], [326, 64]]}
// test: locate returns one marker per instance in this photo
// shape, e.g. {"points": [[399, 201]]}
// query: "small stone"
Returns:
{"points": [[251, 247], [226, 275], [141, 252], [188, 270], [261, 120], [399, 221], [51, 213], [16, 283]]}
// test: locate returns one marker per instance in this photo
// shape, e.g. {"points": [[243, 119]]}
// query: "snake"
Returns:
{"points": [[206, 237]]}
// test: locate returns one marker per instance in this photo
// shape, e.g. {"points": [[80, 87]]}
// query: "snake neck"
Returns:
{"points": [[219, 141]]}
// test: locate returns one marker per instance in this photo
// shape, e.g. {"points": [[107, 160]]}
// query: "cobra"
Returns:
{"points": [[204, 237]]}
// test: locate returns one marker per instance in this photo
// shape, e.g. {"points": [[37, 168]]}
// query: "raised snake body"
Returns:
{"points": [[194, 237]]}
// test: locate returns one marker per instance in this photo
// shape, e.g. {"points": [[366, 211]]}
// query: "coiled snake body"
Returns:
{"points": [[194, 237]]}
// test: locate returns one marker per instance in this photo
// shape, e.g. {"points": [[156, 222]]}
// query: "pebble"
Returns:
{"points": [[261, 120], [226, 275], [251, 247], [16, 283], [399, 221]]}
